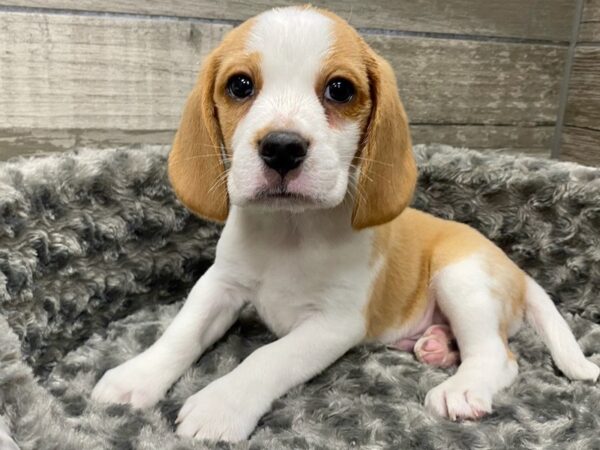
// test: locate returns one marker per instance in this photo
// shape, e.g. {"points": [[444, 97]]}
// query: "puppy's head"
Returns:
{"points": [[294, 111]]}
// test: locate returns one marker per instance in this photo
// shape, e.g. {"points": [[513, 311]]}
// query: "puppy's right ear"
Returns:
{"points": [[196, 168], [388, 172]]}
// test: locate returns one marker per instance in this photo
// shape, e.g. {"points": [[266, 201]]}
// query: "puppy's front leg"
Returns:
{"points": [[210, 309], [229, 408]]}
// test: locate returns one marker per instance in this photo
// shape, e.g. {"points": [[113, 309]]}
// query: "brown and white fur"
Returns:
{"points": [[328, 253]]}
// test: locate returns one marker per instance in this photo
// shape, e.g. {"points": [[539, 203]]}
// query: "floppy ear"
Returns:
{"points": [[196, 168], [387, 170]]}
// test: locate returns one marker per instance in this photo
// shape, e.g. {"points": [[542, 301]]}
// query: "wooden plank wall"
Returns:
{"points": [[581, 133], [478, 73]]}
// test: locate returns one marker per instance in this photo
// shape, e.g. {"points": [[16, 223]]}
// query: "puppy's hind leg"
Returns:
{"points": [[437, 347], [464, 294]]}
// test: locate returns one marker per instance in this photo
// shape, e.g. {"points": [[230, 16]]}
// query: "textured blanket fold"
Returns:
{"points": [[96, 256]]}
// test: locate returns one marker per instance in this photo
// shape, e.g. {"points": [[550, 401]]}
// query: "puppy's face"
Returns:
{"points": [[294, 111], [299, 93]]}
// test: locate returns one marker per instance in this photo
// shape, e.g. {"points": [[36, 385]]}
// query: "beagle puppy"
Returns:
{"points": [[294, 135]]}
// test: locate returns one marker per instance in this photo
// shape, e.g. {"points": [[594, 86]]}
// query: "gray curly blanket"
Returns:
{"points": [[96, 256]]}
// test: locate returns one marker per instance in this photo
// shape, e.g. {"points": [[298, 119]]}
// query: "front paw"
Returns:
{"points": [[218, 413], [137, 382]]}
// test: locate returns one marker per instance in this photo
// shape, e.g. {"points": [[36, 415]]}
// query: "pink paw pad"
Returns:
{"points": [[437, 347]]}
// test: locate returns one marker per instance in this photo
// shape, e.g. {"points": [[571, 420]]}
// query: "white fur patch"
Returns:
{"points": [[292, 43], [464, 294]]}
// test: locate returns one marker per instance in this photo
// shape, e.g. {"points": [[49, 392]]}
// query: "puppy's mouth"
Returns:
{"points": [[280, 197], [281, 194]]}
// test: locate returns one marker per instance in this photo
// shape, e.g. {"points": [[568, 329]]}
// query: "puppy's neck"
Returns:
{"points": [[317, 224]]}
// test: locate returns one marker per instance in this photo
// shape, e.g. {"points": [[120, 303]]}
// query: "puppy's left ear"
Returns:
{"points": [[388, 172], [196, 168]]}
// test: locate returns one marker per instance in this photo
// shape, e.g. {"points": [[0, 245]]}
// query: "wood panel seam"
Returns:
{"points": [[564, 89], [484, 124], [462, 37], [221, 21], [581, 127], [122, 15]]}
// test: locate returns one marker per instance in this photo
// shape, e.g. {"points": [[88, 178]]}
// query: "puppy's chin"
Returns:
{"points": [[285, 201]]}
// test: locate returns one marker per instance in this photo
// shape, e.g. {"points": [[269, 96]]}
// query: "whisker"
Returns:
{"points": [[191, 158], [355, 190], [379, 176], [367, 176], [373, 161], [351, 11], [220, 181], [197, 157]]}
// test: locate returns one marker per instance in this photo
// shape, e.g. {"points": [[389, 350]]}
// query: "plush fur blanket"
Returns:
{"points": [[96, 256]]}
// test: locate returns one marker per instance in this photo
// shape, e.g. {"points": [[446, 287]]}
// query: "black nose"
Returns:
{"points": [[283, 151]]}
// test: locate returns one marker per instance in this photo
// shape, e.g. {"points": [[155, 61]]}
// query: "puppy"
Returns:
{"points": [[295, 134]]}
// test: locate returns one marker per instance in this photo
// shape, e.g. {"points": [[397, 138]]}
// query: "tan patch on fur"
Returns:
{"points": [[387, 171], [416, 246], [261, 133], [196, 168], [195, 163], [347, 58], [229, 110], [399, 293]]}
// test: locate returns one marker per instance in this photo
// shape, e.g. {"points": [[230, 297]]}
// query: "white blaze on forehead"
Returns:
{"points": [[292, 43]]}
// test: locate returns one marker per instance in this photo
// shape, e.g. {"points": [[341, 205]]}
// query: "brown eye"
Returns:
{"points": [[339, 90], [240, 87]]}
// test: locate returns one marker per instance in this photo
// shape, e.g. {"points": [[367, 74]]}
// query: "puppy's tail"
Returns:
{"points": [[549, 324]]}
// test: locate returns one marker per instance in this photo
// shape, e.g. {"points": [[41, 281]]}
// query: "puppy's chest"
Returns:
{"points": [[283, 302], [295, 285]]}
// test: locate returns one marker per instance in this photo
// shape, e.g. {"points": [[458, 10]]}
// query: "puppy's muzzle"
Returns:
{"points": [[283, 151]]}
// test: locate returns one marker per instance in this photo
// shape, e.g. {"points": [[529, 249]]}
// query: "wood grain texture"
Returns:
{"points": [[581, 133], [70, 72], [583, 106], [465, 82], [589, 29], [581, 145], [62, 71], [507, 139], [535, 19], [22, 142]]}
